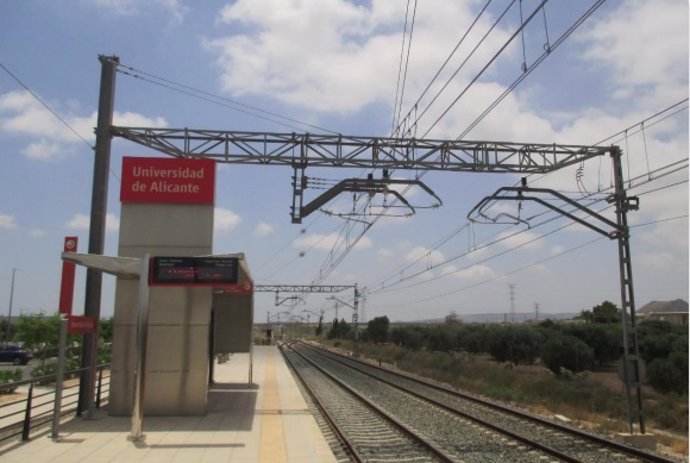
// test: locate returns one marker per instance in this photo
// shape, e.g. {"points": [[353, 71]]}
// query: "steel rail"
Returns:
{"points": [[349, 448], [632, 451], [437, 452]]}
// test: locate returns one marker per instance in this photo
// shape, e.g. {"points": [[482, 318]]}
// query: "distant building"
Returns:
{"points": [[671, 311]]}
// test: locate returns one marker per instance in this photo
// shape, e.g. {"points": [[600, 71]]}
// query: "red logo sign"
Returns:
{"points": [[168, 180], [81, 325], [67, 280]]}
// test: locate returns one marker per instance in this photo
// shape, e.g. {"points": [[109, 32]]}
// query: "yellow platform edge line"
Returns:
{"points": [[272, 447]]}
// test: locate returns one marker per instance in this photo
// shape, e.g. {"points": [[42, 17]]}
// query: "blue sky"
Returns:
{"points": [[334, 64]]}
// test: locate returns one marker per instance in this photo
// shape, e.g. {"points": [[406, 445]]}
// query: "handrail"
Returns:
{"points": [[24, 382], [24, 425]]}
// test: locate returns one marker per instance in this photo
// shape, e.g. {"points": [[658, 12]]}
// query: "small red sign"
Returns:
{"points": [[239, 289], [67, 280], [81, 325], [168, 180]]}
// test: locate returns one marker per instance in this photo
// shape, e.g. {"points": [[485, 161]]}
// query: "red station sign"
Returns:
{"points": [[81, 325], [168, 180]]}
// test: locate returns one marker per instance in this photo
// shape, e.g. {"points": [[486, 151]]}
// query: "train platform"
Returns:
{"points": [[266, 421]]}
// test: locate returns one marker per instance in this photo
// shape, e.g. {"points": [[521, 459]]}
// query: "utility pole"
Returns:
{"points": [[99, 204], [536, 310], [512, 302], [621, 233], [631, 353]]}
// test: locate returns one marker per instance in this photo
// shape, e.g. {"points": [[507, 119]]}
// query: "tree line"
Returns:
{"points": [[594, 341], [40, 334]]}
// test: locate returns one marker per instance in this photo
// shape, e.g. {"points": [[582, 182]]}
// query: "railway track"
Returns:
{"points": [[458, 426], [365, 432]]}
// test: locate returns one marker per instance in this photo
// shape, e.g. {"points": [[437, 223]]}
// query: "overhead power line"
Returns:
{"points": [[204, 95], [46, 106], [673, 167], [528, 266], [527, 70], [327, 267]]}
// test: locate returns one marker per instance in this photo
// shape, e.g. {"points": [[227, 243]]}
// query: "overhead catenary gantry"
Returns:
{"points": [[304, 289], [301, 151]]}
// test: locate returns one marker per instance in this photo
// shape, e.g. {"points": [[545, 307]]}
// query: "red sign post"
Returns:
{"points": [[67, 280]]}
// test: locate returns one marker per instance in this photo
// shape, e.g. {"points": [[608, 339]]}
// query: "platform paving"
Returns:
{"points": [[265, 421]]}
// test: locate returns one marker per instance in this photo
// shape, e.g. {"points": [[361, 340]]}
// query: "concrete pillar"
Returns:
{"points": [[179, 317]]}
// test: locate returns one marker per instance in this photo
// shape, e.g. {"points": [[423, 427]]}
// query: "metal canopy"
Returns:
{"points": [[334, 150]]}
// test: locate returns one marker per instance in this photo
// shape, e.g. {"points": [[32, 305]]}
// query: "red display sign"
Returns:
{"points": [[81, 325], [168, 180], [193, 271], [67, 280]]}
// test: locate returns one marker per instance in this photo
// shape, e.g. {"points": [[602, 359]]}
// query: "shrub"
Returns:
{"points": [[10, 376], [50, 368], [568, 352], [605, 339], [472, 338], [440, 338], [409, 337], [514, 344], [670, 374], [377, 329], [659, 338], [339, 330]]}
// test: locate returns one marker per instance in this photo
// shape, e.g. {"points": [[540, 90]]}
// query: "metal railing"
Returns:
{"points": [[19, 417]]}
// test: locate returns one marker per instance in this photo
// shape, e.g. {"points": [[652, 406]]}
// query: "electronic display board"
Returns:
{"points": [[194, 271]]}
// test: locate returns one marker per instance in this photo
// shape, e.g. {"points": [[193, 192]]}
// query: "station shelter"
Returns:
{"points": [[167, 209]]}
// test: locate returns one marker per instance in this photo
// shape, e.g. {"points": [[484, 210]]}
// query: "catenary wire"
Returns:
{"points": [[46, 106], [445, 63], [677, 164], [217, 99], [525, 267], [528, 70], [387, 288], [325, 270], [54, 113]]}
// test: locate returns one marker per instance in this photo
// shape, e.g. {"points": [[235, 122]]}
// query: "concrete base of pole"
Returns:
{"points": [[641, 441]]}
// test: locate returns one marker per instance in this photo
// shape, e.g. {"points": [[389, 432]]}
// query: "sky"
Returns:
{"points": [[359, 68]]}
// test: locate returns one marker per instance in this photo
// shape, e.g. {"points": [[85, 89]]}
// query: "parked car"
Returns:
{"points": [[15, 354]]}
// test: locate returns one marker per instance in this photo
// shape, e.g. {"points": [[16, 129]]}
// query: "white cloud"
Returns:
{"points": [[353, 61], [134, 7], [82, 222], [131, 119], [510, 239], [79, 222], [472, 272], [327, 242], [263, 229], [641, 42], [22, 115], [658, 260], [225, 219], [37, 233], [43, 150], [556, 250], [7, 222], [384, 254]]}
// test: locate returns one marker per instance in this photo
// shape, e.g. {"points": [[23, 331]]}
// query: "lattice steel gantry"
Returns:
{"points": [[301, 151]]}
